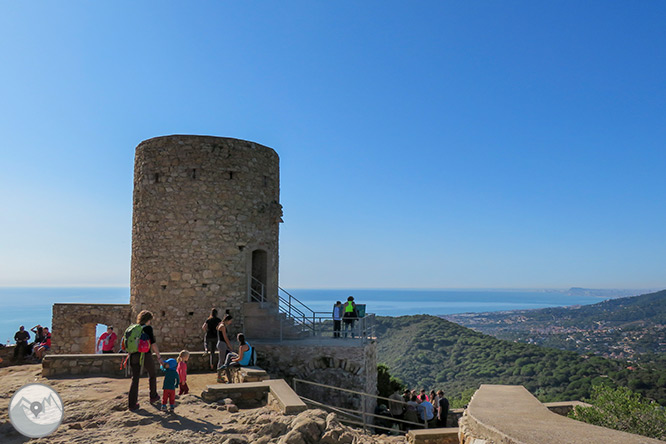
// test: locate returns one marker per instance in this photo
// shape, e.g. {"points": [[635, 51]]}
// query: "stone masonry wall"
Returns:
{"points": [[109, 364], [73, 329], [348, 367], [202, 206]]}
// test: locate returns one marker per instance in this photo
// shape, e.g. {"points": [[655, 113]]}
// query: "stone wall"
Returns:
{"points": [[74, 325], [349, 367], [109, 364], [206, 219]]}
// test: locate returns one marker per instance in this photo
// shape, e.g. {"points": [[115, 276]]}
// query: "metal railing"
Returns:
{"points": [[257, 290], [301, 315], [362, 418], [301, 320], [323, 329]]}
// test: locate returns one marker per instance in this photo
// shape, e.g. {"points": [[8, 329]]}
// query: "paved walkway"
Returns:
{"points": [[510, 414]]}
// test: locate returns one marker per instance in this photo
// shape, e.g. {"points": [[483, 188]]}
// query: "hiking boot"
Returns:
{"points": [[154, 399], [134, 407]]}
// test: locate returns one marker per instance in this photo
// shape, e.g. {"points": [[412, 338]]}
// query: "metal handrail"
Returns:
{"points": [[316, 323], [258, 296], [362, 424], [356, 413]]}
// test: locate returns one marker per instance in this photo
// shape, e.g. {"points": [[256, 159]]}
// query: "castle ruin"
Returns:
{"points": [[205, 232]]}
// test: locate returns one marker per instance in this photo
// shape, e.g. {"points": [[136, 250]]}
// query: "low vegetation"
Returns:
{"points": [[621, 409], [429, 352]]}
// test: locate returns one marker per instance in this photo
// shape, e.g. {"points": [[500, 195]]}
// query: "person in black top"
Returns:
{"points": [[21, 338], [210, 341], [144, 318], [38, 330], [442, 409], [223, 343]]}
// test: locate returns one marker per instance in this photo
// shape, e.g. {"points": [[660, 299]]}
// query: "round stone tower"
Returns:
{"points": [[204, 232]]}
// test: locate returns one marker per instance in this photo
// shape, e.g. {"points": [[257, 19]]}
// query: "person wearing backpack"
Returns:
{"points": [[139, 342]]}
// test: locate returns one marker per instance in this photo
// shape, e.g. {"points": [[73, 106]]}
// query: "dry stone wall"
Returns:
{"points": [[206, 219], [348, 367], [73, 329]]}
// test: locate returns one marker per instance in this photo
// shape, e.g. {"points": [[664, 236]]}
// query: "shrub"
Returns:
{"points": [[621, 409]]}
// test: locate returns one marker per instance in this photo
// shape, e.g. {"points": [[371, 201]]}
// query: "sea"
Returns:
{"points": [[32, 306]]}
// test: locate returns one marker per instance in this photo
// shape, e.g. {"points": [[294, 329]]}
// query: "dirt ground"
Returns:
{"points": [[96, 411]]}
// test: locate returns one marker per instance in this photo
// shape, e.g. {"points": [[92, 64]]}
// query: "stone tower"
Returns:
{"points": [[204, 232]]}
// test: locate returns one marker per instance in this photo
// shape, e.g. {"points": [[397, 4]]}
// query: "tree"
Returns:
{"points": [[387, 384], [621, 409]]}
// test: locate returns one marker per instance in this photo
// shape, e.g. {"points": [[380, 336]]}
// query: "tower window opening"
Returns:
{"points": [[231, 175], [157, 177], [265, 181], [194, 173]]}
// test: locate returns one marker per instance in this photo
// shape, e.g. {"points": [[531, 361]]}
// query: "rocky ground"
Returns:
{"points": [[96, 411]]}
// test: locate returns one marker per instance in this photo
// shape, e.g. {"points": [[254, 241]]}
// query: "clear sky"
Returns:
{"points": [[430, 144]]}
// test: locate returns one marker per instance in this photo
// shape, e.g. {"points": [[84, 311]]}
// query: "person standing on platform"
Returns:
{"points": [[337, 319], [350, 315]]}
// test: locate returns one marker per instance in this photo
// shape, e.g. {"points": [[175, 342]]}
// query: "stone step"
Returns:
{"points": [[286, 400], [259, 308]]}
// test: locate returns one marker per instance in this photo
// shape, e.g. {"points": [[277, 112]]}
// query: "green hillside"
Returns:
{"points": [[644, 309], [430, 352], [623, 328]]}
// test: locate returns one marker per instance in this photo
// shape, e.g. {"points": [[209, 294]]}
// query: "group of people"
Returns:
{"points": [[38, 348], [217, 338], [346, 313], [423, 408]]}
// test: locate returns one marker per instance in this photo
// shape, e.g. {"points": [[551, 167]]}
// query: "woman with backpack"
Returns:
{"points": [[137, 359]]}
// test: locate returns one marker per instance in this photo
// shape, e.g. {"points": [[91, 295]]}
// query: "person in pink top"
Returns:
{"points": [[108, 340], [183, 356]]}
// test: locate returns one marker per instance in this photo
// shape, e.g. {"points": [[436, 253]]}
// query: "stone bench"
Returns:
{"points": [[447, 435], [275, 393], [239, 375]]}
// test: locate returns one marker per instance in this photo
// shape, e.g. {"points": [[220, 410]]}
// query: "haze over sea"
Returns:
{"points": [[31, 306]]}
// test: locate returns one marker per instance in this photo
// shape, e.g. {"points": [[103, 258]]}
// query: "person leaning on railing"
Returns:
{"points": [[337, 319], [350, 315]]}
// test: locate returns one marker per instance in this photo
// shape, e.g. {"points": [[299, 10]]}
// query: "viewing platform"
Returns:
{"points": [[509, 414]]}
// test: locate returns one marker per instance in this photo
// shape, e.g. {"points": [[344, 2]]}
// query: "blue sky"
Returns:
{"points": [[422, 144]]}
